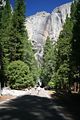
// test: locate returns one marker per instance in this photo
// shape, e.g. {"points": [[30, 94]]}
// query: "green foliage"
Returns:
{"points": [[60, 78], [1, 8], [73, 10], [61, 61], [18, 34], [19, 75], [5, 23], [14, 44], [61, 74], [5, 30], [29, 59], [55, 79], [0, 38], [76, 37], [51, 84], [68, 50], [48, 62]]}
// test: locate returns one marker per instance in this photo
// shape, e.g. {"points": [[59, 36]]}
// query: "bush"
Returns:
{"points": [[19, 75], [51, 85]]}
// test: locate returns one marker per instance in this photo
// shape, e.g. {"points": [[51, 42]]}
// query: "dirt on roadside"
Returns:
{"points": [[5, 97]]}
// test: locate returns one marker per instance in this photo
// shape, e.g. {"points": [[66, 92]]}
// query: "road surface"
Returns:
{"points": [[32, 107]]}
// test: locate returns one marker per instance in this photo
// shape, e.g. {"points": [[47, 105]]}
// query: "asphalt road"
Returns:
{"points": [[30, 107]]}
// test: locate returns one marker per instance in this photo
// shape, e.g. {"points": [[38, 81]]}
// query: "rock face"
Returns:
{"points": [[44, 24], [2, 3]]}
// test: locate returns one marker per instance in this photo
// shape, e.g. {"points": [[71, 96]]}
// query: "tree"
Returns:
{"points": [[48, 64], [76, 44], [14, 44], [20, 47], [29, 59], [5, 30], [62, 69], [18, 34], [0, 43], [76, 37], [19, 75]]}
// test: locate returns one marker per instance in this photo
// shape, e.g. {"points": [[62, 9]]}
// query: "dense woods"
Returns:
{"points": [[18, 66], [61, 61], [65, 56]]}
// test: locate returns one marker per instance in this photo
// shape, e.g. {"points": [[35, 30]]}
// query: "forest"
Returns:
{"points": [[60, 67]]}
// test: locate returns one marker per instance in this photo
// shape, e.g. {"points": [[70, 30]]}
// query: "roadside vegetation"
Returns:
{"points": [[60, 67]]}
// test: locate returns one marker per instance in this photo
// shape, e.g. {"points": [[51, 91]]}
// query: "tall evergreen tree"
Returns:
{"points": [[18, 33], [20, 47], [1, 7], [5, 30], [47, 65], [29, 59], [76, 37], [62, 69], [68, 49], [75, 58], [4, 23]]}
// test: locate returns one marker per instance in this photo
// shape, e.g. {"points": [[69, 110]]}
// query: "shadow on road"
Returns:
{"points": [[30, 108], [70, 102]]}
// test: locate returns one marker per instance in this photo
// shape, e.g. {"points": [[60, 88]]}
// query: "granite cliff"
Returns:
{"points": [[44, 24]]}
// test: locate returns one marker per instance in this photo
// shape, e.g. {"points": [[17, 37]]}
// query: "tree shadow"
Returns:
{"points": [[29, 108], [70, 102]]}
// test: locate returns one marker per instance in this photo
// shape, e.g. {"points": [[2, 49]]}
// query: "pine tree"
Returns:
{"points": [[4, 25], [47, 65], [5, 31], [18, 33], [29, 59], [62, 69], [73, 9], [1, 7], [20, 47], [6, 28], [76, 37], [76, 46]]}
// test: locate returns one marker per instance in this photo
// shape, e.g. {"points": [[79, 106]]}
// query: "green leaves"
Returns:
{"points": [[63, 50], [47, 65], [76, 36], [14, 46], [19, 75]]}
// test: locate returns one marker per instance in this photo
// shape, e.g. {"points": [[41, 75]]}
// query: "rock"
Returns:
{"points": [[2, 3], [44, 24]]}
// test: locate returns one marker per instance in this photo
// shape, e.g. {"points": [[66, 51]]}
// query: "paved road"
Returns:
{"points": [[31, 107]]}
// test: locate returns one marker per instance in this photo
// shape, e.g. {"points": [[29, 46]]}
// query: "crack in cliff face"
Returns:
{"points": [[44, 24], [47, 28]]}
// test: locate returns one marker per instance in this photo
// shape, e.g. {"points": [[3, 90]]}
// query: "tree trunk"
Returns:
{"points": [[75, 87]]}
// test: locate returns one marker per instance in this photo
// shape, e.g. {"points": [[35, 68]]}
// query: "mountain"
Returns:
{"points": [[2, 3], [44, 24]]}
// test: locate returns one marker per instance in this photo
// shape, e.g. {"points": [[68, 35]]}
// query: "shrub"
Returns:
{"points": [[51, 84], [19, 75]]}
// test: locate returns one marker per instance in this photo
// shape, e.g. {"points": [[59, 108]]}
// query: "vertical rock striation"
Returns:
{"points": [[44, 24]]}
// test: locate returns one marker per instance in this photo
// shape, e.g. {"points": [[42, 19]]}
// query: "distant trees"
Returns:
{"points": [[47, 65], [29, 59]]}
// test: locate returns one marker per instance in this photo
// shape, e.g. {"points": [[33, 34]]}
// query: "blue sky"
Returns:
{"points": [[33, 6]]}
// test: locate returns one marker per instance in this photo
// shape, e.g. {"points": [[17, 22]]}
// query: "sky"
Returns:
{"points": [[34, 6]]}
